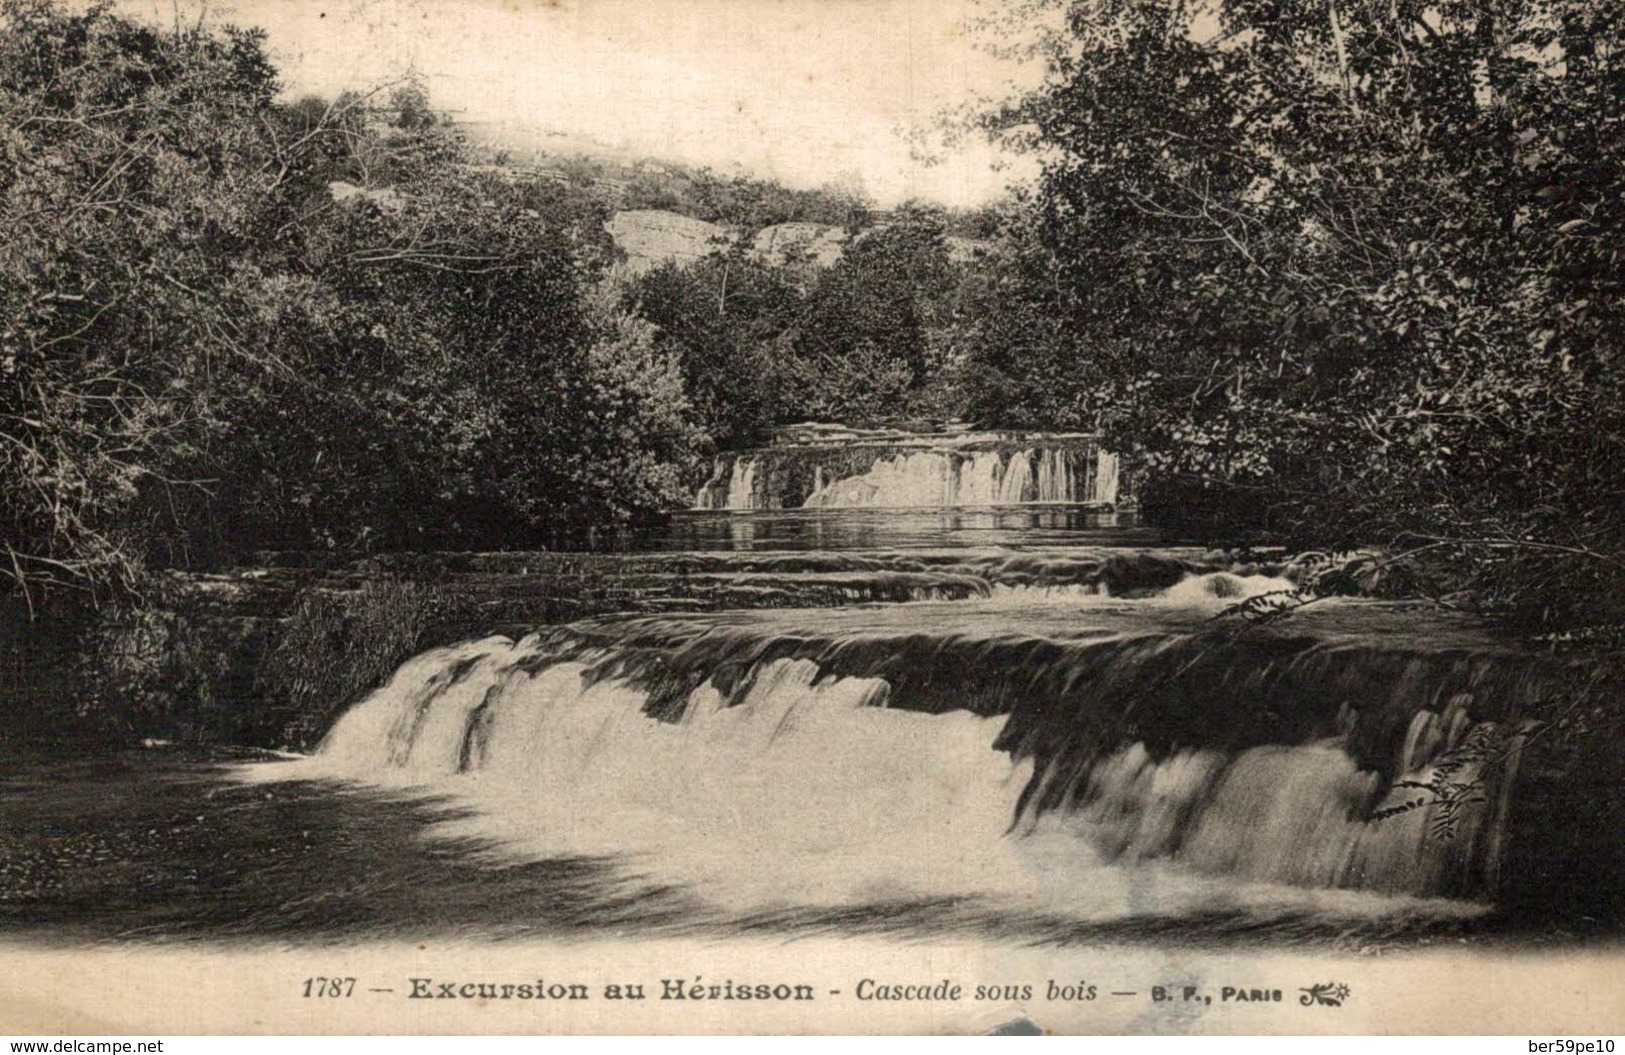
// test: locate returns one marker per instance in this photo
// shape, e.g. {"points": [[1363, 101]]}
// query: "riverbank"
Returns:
{"points": [[266, 657]]}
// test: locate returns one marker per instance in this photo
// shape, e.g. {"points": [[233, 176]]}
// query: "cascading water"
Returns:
{"points": [[973, 471], [987, 478], [1058, 763], [1106, 483], [739, 491]]}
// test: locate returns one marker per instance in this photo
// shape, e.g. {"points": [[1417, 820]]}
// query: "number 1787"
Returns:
{"points": [[336, 987]]}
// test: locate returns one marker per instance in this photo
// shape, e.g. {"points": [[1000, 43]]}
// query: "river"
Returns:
{"points": [[1031, 723]]}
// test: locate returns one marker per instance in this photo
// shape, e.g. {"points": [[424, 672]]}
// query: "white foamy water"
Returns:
{"points": [[811, 793], [1211, 591], [944, 474], [1221, 588], [928, 478]]}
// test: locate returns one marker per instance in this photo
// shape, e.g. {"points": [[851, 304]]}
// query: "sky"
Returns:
{"points": [[803, 91]]}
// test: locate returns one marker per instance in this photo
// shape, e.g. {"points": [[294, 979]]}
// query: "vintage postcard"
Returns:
{"points": [[812, 516]]}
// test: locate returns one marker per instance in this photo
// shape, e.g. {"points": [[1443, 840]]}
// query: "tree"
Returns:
{"points": [[1353, 262], [234, 323], [727, 320], [1009, 356], [864, 338], [761, 345], [135, 168], [643, 433]]}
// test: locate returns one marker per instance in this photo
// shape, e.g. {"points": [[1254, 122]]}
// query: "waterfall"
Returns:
{"points": [[921, 479], [892, 760], [978, 476], [712, 494], [918, 472], [741, 491], [1056, 476], [1104, 481], [1294, 815], [771, 792]]}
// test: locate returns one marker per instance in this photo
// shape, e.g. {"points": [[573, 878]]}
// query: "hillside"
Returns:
{"points": [[668, 212], [651, 237]]}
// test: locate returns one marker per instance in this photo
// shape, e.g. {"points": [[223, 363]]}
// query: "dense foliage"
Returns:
{"points": [[1337, 273], [741, 202], [1342, 272], [737, 201], [860, 340], [232, 322]]}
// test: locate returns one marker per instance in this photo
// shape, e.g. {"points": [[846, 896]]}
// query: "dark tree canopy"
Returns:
{"points": [[1354, 262], [234, 323], [1335, 273], [856, 341]]}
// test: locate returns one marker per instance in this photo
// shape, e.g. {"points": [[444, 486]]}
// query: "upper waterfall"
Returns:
{"points": [[893, 470]]}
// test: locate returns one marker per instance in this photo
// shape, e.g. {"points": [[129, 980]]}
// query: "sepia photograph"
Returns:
{"points": [[812, 517]]}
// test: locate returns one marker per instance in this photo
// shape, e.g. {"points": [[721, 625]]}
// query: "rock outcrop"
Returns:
{"points": [[651, 237], [800, 243]]}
